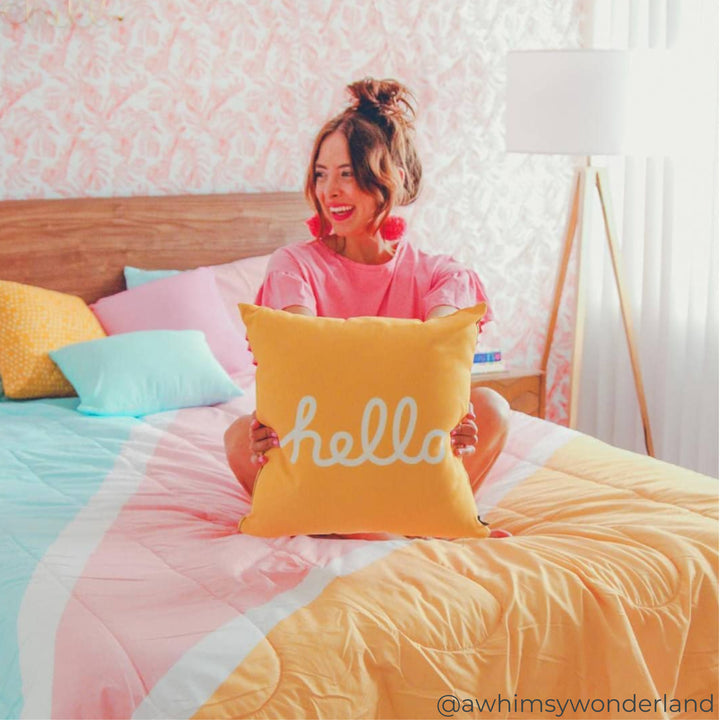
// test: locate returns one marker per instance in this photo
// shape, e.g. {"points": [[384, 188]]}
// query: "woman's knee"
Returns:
{"points": [[236, 434], [237, 450], [492, 411], [492, 417]]}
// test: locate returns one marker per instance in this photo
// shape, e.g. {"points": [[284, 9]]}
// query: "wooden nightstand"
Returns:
{"points": [[523, 388]]}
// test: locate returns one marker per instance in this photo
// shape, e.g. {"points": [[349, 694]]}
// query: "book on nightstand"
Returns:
{"points": [[488, 350]]}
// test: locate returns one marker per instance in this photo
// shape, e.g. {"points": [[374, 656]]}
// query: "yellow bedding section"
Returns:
{"points": [[602, 604]]}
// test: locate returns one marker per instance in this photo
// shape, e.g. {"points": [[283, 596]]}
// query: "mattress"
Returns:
{"points": [[127, 590]]}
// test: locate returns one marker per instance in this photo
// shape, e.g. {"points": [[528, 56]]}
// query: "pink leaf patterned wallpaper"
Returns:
{"points": [[198, 96]]}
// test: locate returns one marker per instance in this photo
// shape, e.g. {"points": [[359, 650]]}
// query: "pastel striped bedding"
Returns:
{"points": [[127, 591]]}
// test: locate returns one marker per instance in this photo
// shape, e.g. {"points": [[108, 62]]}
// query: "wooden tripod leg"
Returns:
{"points": [[587, 183], [624, 307], [562, 272]]}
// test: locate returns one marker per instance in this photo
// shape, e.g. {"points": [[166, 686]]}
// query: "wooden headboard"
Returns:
{"points": [[80, 246]]}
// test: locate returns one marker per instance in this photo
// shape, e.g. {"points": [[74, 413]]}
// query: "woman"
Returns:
{"points": [[364, 163]]}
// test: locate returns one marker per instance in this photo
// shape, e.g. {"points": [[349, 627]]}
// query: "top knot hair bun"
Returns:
{"points": [[382, 99], [390, 107]]}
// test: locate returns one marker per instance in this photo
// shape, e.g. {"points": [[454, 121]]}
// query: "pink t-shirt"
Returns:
{"points": [[409, 285]]}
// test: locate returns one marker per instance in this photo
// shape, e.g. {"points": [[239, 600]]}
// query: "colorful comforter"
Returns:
{"points": [[126, 590]]}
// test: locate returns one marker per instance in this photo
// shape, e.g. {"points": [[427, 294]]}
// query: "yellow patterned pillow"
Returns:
{"points": [[363, 409], [34, 321]]}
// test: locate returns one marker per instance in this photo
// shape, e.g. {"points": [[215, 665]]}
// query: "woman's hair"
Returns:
{"points": [[379, 128]]}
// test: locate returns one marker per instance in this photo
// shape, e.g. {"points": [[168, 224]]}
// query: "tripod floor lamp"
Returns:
{"points": [[586, 103]]}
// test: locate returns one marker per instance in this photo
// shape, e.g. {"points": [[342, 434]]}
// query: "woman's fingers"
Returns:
{"points": [[262, 439], [261, 434], [264, 444], [254, 425], [467, 427], [464, 436], [465, 430]]}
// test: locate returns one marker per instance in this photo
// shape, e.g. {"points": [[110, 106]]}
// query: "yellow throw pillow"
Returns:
{"points": [[363, 409], [34, 321]]}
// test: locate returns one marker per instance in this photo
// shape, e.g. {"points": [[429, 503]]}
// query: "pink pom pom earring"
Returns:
{"points": [[313, 225], [392, 229]]}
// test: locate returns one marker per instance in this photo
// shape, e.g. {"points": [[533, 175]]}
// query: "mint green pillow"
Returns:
{"points": [[136, 276], [148, 371]]}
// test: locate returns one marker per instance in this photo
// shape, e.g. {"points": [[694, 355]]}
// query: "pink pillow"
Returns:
{"points": [[188, 301], [239, 282]]}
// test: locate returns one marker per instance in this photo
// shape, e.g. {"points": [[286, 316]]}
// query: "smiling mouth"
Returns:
{"points": [[341, 212]]}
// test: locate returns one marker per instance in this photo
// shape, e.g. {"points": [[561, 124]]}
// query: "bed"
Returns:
{"points": [[127, 590]]}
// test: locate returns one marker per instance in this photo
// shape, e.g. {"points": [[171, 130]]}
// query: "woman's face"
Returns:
{"points": [[349, 209]]}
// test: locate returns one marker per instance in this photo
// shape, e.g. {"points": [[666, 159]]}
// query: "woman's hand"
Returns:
{"points": [[464, 436], [262, 439]]}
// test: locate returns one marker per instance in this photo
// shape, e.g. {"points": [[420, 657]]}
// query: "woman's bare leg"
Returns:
{"points": [[492, 416], [239, 455]]}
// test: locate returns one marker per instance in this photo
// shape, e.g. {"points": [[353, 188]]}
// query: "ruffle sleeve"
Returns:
{"points": [[457, 286], [284, 285]]}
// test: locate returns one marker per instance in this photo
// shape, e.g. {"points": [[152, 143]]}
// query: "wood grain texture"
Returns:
{"points": [[524, 389], [80, 246]]}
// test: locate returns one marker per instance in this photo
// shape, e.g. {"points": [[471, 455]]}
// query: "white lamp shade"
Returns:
{"points": [[588, 102]]}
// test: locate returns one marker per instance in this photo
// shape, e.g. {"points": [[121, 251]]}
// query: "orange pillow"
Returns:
{"points": [[34, 321], [363, 409]]}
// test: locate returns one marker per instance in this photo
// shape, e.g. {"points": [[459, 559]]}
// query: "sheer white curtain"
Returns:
{"points": [[667, 220]]}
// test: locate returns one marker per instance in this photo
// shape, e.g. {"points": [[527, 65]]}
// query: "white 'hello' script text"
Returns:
{"points": [[341, 443]]}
